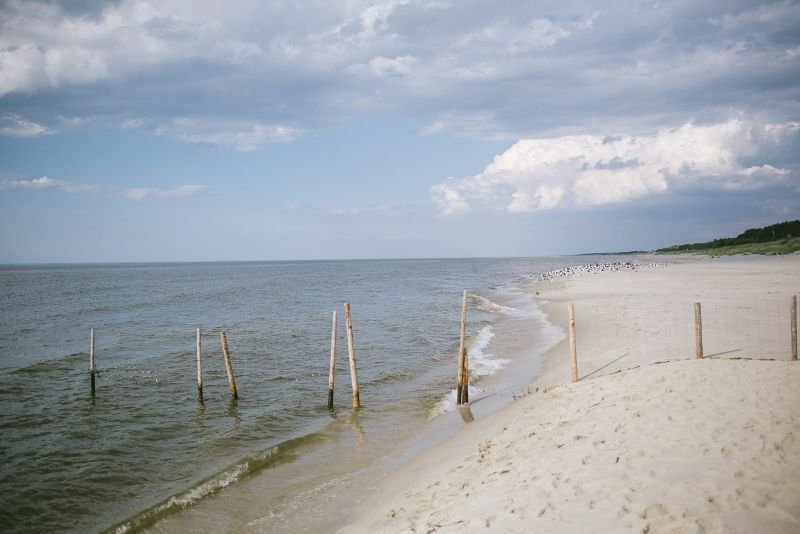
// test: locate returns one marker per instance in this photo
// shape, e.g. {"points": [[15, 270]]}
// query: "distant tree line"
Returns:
{"points": [[774, 232]]}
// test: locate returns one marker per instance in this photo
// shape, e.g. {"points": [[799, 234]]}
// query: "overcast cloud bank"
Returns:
{"points": [[244, 74]]}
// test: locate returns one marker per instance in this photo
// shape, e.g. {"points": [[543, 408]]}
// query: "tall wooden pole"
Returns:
{"points": [[199, 368], [92, 365], [462, 389], [573, 349], [794, 327], [228, 367], [333, 363], [351, 350], [698, 331]]}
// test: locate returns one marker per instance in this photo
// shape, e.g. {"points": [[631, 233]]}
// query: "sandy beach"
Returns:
{"points": [[650, 439]]}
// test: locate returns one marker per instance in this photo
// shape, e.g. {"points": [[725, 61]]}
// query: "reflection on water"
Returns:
{"points": [[466, 414]]}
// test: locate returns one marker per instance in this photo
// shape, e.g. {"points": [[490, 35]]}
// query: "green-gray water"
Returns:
{"points": [[144, 453]]}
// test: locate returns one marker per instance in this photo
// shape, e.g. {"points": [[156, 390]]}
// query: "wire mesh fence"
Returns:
{"points": [[643, 334]]}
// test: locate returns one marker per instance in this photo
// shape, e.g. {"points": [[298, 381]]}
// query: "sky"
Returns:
{"points": [[174, 130]]}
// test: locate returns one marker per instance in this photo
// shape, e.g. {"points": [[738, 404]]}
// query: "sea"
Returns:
{"points": [[146, 454]]}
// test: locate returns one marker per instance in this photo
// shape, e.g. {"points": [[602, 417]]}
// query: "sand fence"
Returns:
{"points": [[763, 329]]}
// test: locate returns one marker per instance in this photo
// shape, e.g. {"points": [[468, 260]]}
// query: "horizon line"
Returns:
{"points": [[316, 260]]}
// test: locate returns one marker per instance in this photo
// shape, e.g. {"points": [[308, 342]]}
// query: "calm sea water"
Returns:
{"points": [[144, 453]]}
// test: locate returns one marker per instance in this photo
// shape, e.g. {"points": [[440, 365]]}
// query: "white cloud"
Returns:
{"points": [[515, 38], [132, 122], [382, 210], [388, 210], [482, 124], [587, 170], [136, 193], [142, 193], [43, 182], [242, 136], [385, 67], [449, 199], [776, 13], [16, 126], [41, 45], [268, 69]]}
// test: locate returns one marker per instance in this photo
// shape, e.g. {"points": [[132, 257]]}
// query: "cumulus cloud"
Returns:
{"points": [[142, 193], [589, 170], [449, 198]]}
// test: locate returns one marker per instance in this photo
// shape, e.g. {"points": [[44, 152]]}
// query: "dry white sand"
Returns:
{"points": [[708, 445]]}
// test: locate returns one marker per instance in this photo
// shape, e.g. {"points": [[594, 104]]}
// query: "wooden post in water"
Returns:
{"points": [[333, 363], [462, 389], [199, 369], [794, 327], [228, 367], [573, 349], [698, 331], [351, 350], [92, 365]]}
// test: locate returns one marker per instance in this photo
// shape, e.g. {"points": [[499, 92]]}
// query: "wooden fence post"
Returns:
{"points": [[92, 365], [573, 350], [199, 369], [333, 363], [794, 327], [351, 349], [462, 389], [228, 367], [698, 332]]}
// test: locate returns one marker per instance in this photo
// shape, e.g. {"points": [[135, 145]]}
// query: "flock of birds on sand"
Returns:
{"points": [[594, 268]]}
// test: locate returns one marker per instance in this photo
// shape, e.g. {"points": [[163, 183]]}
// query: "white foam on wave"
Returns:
{"points": [[484, 304], [448, 402], [481, 363], [189, 498], [220, 481]]}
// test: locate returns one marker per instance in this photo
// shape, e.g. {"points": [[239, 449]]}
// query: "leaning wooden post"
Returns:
{"points": [[462, 389], [573, 350], [351, 350], [333, 363], [698, 332], [794, 327], [228, 367], [199, 369], [92, 366]]}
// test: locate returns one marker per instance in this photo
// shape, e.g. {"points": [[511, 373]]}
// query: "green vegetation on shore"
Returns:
{"points": [[781, 238]]}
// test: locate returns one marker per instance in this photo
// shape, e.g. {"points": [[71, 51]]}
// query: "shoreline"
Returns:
{"points": [[492, 473], [360, 447]]}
